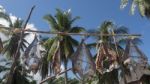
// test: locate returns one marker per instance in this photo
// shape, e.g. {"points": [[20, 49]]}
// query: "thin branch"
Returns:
{"points": [[65, 33], [48, 78], [29, 16]]}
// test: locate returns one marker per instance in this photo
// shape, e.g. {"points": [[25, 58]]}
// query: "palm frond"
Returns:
{"points": [[5, 17], [49, 18], [72, 41], [74, 19], [60, 17], [4, 31], [18, 23], [121, 30], [68, 46], [123, 3], [77, 30], [91, 45], [142, 5], [52, 50]]}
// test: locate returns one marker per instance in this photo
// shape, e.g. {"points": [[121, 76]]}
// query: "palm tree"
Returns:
{"points": [[11, 45], [19, 76], [142, 5], [64, 44]]}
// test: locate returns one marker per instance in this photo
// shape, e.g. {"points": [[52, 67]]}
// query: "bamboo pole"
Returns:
{"points": [[48, 78], [66, 33]]}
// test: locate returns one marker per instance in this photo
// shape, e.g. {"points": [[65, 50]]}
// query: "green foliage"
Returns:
{"points": [[142, 5], [60, 80]]}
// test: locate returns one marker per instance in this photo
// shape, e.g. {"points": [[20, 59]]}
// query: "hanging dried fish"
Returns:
{"points": [[91, 66], [28, 49], [34, 66], [135, 61], [136, 54], [76, 61], [99, 58], [31, 58], [83, 64], [1, 45], [106, 58]]}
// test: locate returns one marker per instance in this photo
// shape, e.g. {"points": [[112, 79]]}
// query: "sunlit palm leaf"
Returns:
{"points": [[142, 5]]}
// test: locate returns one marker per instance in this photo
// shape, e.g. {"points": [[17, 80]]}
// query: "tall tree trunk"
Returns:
{"points": [[66, 74], [12, 70], [11, 74]]}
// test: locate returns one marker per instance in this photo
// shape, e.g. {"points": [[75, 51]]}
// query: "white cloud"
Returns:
{"points": [[4, 22], [2, 9], [13, 18], [30, 37]]}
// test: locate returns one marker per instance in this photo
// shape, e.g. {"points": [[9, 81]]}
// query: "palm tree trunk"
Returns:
{"points": [[11, 73], [12, 70], [66, 74]]}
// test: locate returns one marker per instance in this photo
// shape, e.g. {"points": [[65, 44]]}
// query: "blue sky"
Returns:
{"points": [[92, 13]]}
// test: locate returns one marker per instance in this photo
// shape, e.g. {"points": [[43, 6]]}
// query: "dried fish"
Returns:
{"points": [[83, 63]]}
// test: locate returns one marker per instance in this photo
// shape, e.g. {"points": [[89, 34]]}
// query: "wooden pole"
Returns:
{"points": [[66, 33], [48, 78]]}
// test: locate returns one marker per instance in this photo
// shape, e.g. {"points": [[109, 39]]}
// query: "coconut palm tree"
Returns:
{"points": [[11, 45], [64, 44], [19, 76], [142, 5]]}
